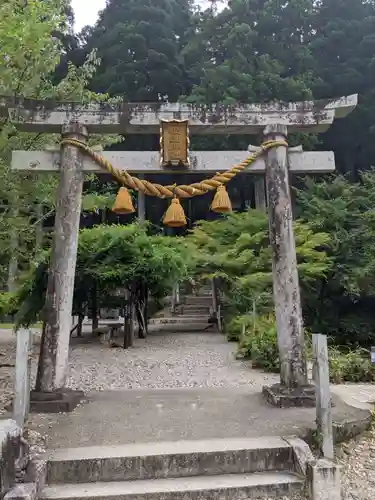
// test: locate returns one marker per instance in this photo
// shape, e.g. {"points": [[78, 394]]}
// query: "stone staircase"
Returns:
{"points": [[193, 313], [219, 469]]}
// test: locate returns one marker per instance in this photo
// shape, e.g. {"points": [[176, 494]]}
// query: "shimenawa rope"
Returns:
{"points": [[182, 191]]}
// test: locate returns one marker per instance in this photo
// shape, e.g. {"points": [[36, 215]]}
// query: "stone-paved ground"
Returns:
{"points": [[203, 360]]}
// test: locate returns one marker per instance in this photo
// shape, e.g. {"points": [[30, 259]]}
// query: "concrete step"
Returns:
{"points": [[191, 313], [192, 308], [184, 328], [225, 487], [172, 320], [169, 460], [196, 299], [182, 312]]}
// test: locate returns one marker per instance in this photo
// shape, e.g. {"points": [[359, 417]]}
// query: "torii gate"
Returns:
{"points": [[273, 120]]}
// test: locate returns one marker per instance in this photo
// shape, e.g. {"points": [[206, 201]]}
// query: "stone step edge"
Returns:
{"points": [[183, 327], [235, 486], [177, 319], [168, 460], [165, 448], [185, 316]]}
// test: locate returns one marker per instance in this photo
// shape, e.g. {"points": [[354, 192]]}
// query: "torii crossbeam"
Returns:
{"points": [[273, 120]]}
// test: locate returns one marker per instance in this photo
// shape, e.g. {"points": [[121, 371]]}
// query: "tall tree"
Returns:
{"points": [[343, 49], [139, 43], [28, 57], [344, 303], [254, 50]]}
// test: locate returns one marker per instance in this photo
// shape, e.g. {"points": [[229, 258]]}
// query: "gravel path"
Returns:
{"points": [[178, 361], [357, 458], [163, 361]]}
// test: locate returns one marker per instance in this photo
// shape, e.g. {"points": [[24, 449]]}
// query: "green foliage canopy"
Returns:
{"points": [[345, 299], [236, 250], [110, 258]]}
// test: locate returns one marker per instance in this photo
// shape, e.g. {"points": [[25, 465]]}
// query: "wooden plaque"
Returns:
{"points": [[174, 143]]}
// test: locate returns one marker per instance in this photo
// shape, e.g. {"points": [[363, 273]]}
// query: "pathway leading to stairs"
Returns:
{"points": [[170, 387], [164, 360]]}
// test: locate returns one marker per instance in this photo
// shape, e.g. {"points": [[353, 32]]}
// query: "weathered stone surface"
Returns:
{"points": [[11, 447], [22, 377], [279, 395], [167, 460], [286, 292], [37, 473], [225, 411], [55, 402], [301, 454], [323, 477], [25, 491], [226, 487], [60, 288], [130, 118], [318, 162], [349, 428], [323, 396]]}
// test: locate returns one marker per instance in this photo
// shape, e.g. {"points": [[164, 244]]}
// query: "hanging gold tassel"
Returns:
{"points": [[175, 215], [221, 202], [124, 202]]}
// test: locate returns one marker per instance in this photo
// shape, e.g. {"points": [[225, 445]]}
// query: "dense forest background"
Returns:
{"points": [[239, 51]]}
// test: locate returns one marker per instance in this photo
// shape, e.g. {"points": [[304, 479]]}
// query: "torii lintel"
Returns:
{"points": [[144, 118]]}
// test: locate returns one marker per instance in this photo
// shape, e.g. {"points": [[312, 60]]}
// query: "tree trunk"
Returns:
{"points": [[141, 311], [81, 318], [39, 228], [128, 321], [13, 262], [94, 308]]}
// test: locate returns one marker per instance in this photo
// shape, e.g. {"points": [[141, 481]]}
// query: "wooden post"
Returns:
{"points": [[141, 204], [219, 324], [59, 298], [178, 297], [260, 193], [173, 300], [323, 396], [293, 371], [22, 380], [214, 298], [94, 308], [128, 321]]}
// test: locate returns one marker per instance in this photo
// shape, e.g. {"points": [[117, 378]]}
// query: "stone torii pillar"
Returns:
{"points": [[59, 297], [273, 120], [293, 388]]}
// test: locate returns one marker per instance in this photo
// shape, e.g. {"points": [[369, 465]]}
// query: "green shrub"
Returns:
{"points": [[351, 366], [235, 326], [6, 303], [259, 343]]}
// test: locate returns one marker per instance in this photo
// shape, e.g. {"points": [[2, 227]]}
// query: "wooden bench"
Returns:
{"points": [[109, 333]]}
